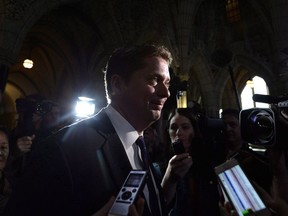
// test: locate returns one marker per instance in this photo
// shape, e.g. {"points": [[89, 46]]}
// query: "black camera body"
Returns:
{"points": [[28, 106], [265, 127], [258, 127], [211, 129]]}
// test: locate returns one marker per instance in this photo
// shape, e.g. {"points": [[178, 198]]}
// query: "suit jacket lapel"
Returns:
{"points": [[158, 184], [117, 159], [113, 149]]}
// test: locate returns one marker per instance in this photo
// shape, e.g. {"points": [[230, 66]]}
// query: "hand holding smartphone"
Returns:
{"points": [[239, 190]]}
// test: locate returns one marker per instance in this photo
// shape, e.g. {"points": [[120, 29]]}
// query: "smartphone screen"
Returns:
{"points": [[239, 190]]}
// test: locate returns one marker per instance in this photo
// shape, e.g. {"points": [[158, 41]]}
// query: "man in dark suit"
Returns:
{"points": [[78, 170]]}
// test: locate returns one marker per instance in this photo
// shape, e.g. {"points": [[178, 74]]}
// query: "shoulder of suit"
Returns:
{"points": [[99, 122], [97, 127]]}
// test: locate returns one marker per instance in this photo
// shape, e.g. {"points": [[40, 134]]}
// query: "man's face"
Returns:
{"points": [[232, 129], [4, 149], [142, 97]]}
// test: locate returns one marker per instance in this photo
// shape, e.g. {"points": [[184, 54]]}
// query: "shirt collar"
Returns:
{"points": [[126, 132]]}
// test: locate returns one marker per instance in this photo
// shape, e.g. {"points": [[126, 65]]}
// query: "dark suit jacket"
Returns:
{"points": [[73, 172]]}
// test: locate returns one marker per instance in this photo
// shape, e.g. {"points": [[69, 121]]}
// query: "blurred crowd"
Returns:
{"points": [[37, 118], [188, 179]]}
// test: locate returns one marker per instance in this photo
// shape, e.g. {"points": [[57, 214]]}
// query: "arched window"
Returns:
{"points": [[232, 11], [255, 86]]}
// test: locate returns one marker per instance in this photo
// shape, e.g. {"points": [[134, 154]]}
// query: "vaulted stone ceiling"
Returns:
{"points": [[70, 42]]}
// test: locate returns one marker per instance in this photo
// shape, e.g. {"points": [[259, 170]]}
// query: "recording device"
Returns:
{"points": [[178, 147], [24, 105], [239, 190], [209, 125], [212, 132], [128, 193], [262, 127], [258, 126]]}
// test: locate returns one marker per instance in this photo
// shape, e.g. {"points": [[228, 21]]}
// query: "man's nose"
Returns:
{"points": [[163, 90]]}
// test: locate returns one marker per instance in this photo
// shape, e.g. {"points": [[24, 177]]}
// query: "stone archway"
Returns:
{"points": [[17, 18], [245, 67]]}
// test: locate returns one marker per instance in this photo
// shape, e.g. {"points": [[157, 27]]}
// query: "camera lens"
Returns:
{"points": [[262, 126]]}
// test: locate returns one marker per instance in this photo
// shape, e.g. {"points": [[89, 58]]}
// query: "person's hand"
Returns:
{"points": [[134, 210], [105, 209], [275, 203], [280, 173], [24, 143], [178, 166], [277, 161], [138, 208], [227, 209]]}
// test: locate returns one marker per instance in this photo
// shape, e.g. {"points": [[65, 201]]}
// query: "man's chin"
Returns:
{"points": [[156, 114]]}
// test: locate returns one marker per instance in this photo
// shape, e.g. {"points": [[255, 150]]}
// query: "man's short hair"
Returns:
{"points": [[126, 60]]}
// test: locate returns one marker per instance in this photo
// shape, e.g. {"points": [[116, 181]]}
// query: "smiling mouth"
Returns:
{"points": [[156, 106], [157, 103]]}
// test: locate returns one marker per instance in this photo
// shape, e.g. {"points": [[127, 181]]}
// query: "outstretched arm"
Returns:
{"points": [[177, 168]]}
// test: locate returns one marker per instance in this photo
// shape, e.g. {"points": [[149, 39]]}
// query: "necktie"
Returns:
{"points": [[153, 200], [144, 153]]}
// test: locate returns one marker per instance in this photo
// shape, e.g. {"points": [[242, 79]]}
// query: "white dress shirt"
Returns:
{"points": [[128, 136]]}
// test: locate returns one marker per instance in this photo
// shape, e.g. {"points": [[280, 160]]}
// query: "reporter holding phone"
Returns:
{"points": [[277, 198], [77, 170], [194, 186]]}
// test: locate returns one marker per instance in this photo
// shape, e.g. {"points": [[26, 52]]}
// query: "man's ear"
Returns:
{"points": [[117, 84]]}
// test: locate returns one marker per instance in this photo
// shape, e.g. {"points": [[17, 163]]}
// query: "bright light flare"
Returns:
{"points": [[85, 107], [28, 63]]}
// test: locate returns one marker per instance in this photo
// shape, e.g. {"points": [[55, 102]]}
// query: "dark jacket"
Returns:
{"points": [[73, 172]]}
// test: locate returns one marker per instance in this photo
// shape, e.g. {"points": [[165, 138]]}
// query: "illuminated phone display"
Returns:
{"points": [[240, 190]]}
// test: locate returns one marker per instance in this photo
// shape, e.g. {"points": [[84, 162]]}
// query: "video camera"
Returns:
{"points": [[24, 105], [210, 126], [265, 127], [210, 145], [28, 106]]}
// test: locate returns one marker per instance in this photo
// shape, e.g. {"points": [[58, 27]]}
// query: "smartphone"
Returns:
{"points": [[239, 190], [178, 147], [128, 193]]}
